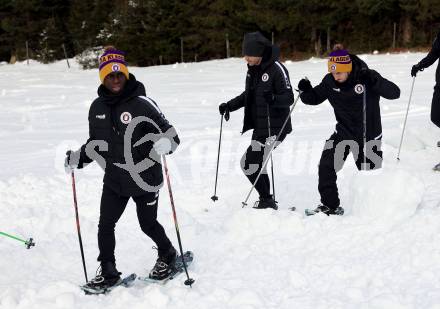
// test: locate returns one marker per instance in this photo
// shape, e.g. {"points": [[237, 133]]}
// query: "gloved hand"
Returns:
{"points": [[415, 68], [270, 140], [304, 85], [72, 161], [269, 97], [365, 77], [162, 146], [224, 110]]}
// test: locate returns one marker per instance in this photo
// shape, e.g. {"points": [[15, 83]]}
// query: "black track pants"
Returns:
{"points": [[251, 164], [333, 157], [112, 207], [435, 106]]}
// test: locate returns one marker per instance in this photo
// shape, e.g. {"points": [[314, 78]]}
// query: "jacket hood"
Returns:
{"points": [[358, 65], [271, 54], [132, 88]]}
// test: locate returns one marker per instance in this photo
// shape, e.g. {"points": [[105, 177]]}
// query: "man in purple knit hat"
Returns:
{"points": [[354, 91], [113, 116]]}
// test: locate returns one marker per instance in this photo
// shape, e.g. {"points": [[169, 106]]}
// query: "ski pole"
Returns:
{"points": [[215, 197], [77, 224], [271, 158], [272, 147], [189, 281], [406, 118], [365, 125], [29, 243]]}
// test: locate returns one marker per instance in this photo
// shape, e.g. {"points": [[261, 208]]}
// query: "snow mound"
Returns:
{"points": [[388, 195]]}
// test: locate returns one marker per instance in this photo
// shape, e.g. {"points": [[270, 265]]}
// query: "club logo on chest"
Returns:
{"points": [[359, 89], [265, 77], [126, 117]]}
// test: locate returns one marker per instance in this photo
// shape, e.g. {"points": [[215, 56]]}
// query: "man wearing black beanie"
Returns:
{"points": [[266, 100]]}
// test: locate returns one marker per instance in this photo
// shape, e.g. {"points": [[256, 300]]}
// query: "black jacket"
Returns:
{"points": [[347, 101], [109, 117], [270, 76], [432, 57]]}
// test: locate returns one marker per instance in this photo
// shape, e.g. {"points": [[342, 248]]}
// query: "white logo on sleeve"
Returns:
{"points": [[265, 77], [126, 117], [100, 116], [359, 88]]}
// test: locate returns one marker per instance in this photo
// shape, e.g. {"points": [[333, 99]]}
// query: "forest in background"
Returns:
{"points": [[156, 32]]}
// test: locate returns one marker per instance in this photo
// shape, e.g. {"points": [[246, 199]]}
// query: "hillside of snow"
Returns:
{"points": [[383, 253]]}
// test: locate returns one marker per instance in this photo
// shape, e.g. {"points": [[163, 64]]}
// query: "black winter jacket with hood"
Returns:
{"points": [[109, 117], [432, 57], [270, 76], [347, 101]]}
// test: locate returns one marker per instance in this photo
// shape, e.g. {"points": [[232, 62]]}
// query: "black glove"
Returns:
{"points": [[223, 108], [365, 77], [415, 68], [304, 85], [269, 97]]}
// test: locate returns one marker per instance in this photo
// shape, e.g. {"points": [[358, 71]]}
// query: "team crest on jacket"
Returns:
{"points": [[359, 89], [265, 77], [126, 117]]}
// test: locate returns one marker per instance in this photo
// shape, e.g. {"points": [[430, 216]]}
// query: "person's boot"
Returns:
{"points": [[436, 167], [165, 264], [106, 277], [266, 202], [339, 211]]}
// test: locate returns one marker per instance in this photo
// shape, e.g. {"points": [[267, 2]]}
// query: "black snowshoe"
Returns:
{"points": [[339, 211], [107, 277], [165, 264], [266, 202]]}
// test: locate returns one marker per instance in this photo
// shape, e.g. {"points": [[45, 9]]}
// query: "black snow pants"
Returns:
{"points": [[253, 160], [435, 106], [112, 207], [333, 157]]}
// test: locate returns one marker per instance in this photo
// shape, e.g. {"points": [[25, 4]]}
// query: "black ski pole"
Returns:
{"points": [[77, 224], [272, 146], [215, 197], [29, 243], [189, 281], [271, 158]]}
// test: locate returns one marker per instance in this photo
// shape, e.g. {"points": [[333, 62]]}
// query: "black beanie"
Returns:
{"points": [[254, 44]]}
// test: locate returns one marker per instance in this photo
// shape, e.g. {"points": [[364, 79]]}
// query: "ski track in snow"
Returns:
{"points": [[384, 253]]}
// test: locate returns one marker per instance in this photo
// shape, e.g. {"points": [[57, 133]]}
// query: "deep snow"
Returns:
{"points": [[384, 253]]}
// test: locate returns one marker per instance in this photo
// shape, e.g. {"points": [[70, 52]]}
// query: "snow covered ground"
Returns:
{"points": [[384, 253]]}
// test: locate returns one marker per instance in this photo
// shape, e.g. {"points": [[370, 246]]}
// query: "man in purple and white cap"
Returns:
{"points": [[354, 91]]}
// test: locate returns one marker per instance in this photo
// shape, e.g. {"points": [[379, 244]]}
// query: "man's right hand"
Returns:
{"points": [[415, 68], [224, 110], [72, 161], [304, 85]]}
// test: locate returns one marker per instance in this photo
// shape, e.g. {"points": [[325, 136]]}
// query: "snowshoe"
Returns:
{"points": [[339, 211], [436, 167], [178, 268], [164, 265], [266, 202], [107, 277]]}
